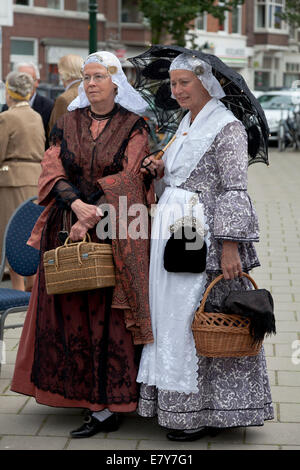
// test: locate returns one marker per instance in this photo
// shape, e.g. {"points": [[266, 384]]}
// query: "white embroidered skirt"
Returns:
{"points": [[170, 363]]}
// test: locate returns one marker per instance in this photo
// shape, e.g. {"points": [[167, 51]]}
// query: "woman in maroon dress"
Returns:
{"points": [[82, 349]]}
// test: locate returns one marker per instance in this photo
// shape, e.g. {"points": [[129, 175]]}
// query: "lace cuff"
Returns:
{"points": [[235, 217], [65, 193]]}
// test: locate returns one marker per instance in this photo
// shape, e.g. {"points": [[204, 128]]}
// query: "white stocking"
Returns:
{"points": [[102, 415]]}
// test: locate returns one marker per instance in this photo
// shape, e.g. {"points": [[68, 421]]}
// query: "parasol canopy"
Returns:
{"points": [[153, 82]]}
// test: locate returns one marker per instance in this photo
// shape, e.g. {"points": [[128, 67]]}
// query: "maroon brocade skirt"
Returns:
{"points": [[76, 351]]}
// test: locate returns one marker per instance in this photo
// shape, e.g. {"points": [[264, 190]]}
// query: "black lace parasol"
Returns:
{"points": [[152, 81]]}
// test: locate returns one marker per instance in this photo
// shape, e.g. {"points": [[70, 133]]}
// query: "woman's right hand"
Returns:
{"points": [[78, 231], [157, 165], [230, 260], [87, 214]]}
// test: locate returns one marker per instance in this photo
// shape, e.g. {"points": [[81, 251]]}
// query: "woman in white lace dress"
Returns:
{"points": [[204, 172]]}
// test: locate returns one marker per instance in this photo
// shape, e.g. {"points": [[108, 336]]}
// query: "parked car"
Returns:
{"points": [[277, 105]]}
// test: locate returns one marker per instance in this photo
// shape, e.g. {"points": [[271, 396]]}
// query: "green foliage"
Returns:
{"points": [[174, 16], [291, 12]]}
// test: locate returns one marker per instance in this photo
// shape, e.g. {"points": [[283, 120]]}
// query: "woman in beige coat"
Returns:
{"points": [[22, 144]]}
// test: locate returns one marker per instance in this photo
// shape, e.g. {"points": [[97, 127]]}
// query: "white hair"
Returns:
{"points": [[28, 64]]}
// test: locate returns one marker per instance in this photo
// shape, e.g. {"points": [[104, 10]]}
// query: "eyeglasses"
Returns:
{"points": [[96, 78]]}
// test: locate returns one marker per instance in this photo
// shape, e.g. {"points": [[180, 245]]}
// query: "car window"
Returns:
{"points": [[275, 101]]}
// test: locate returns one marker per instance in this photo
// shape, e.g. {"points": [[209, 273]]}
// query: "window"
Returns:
{"points": [[224, 26], [53, 75], [130, 12], [261, 14], [27, 3], [267, 62], [56, 4], [22, 47], [292, 67], [261, 80], [237, 20], [293, 32], [23, 50], [289, 79], [267, 14], [83, 5], [274, 20], [200, 22]]}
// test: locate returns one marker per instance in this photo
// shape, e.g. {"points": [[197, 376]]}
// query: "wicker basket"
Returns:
{"points": [[81, 266], [222, 335]]}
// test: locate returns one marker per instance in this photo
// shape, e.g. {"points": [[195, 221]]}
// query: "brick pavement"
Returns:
{"points": [[24, 424]]}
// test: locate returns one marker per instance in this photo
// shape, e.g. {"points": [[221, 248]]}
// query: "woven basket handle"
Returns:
{"points": [[87, 235], [214, 282]]}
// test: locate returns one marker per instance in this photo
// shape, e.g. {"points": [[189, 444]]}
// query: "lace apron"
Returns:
{"points": [[171, 362]]}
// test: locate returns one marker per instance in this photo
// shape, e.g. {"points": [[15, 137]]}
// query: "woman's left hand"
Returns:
{"points": [[230, 260], [156, 167], [78, 231]]}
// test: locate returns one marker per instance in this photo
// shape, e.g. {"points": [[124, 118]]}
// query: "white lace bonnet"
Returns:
{"points": [[127, 96], [202, 70]]}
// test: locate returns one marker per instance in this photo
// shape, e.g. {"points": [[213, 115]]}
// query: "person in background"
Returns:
{"points": [[69, 69], [22, 144], [39, 103]]}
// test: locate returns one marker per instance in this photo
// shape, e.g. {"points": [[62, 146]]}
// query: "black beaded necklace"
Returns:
{"points": [[104, 117]]}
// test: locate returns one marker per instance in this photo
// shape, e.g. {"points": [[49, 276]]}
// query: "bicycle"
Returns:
{"points": [[289, 130]]}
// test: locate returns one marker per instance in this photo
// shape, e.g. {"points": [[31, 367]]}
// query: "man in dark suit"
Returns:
{"points": [[39, 103]]}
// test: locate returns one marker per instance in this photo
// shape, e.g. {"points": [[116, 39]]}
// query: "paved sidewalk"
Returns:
{"points": [[24, 424]]}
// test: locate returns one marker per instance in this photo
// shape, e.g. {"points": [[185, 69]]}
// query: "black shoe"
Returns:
{"points": [[184, 436], [92, 426]]}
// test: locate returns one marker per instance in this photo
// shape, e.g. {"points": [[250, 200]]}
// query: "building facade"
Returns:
{"points": [[228, 40], [253, 39], [45, 30], [275, 60]]}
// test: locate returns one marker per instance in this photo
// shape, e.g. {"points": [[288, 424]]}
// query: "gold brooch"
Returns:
{"points": [[112, 69], [199, 70]]}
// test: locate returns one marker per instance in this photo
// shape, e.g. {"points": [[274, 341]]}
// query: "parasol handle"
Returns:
{"points": [[159, 155]]}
